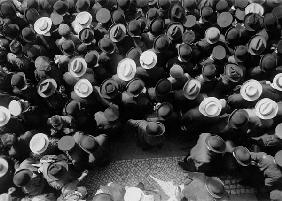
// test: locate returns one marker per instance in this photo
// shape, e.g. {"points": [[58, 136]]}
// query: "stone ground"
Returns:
{"points": [[132, 165]]}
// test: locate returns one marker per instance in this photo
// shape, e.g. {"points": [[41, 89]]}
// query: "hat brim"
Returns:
{"points": [[269, 116], [155, 40], [152, 65], [5, 166], [211, 148], [47, 30], [133, 73], [44, 148], [54, 84], [123, 28], [243, 90], [29, 172], [205, 102], [211, 193], [238, 161], [7, 114], [84, 68], [81, 94]]}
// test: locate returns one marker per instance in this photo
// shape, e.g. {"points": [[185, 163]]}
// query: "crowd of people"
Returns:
{"points": [[75, 73]]}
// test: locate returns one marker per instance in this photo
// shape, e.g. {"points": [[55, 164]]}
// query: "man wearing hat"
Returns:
{"points": [[149, 134], [8, 123], [61, 125]]}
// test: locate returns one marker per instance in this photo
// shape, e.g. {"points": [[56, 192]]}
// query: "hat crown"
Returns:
{"points": [[83, 88], [77, 66], [38, 143], [127, 69], [43, 25], [153, 128], [110, 88], [242, 155], [213, 34], [148, 59], [251, 90], [211, 108], [279, 81], [192, 87], [15, 108], [2, 116], [215, 187], [117, 32], [83, 18], [266, 108]]}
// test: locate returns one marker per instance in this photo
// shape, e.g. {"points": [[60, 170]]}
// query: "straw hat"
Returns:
{"points": [[77, 67], [4, 116], [278, 131], [84, 19], [148, 59], [117, 32], [254, 8], [43, 25], [16, 107], [133, 194], [47, 87], [210, 107], [277, 82], [191, 89], [4, 167], [39, 143], [126, 69], [83, 88], [266, 108], [251, 90]]}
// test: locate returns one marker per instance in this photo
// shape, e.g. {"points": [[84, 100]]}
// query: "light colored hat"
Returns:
{"points": [[148, 59], [84, 19], [133, 194], [251, 90], [39, 143], [77, 67], [4, 167], [212, 35], [43, 25], [126, 69], [277, 82], [191, 89], [278, 131], [47, 87], [266, 108], [16, 107], [117, 32], [5, 116], [254, 8], [210, 107], [83, 88]]}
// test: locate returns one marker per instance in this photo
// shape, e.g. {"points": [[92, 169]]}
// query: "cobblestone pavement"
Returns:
{"points": [[131, 172]]}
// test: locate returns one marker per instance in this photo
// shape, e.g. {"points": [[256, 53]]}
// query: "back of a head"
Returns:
{"points": [[102, 197]]}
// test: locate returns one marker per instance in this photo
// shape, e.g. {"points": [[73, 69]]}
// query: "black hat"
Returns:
{"points": [[241, 53], [11, 31], [7, 9], [207, 14], [109, 89], [188, 4], [242, 4], [222, 6], [28, 35], [177, 12], [134, 28], [118, 16], [164, 4], [161, 43], [238, 119], [82, 5], [152, 14], [15, 46], [277, 12], [209, 72], [232, 35], [269, 21], [188, 37], [61, 7], [106, 45], [68, 47], [31, 15], [22, 177], [233, 72], [184, 52], [157, 26], [253, 22], [123, 4], [163, 87], [86, 35], [134, 53], [279, 47], [175, 31], [91, 58], [268, 62]]}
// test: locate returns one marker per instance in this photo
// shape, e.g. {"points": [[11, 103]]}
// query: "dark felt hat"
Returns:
{"points": [[233, 72], [184, 52], [239, 15], [4, 43], [31, 15], [72, 108], [91, 58], [222, 6], [218, 52], [28, 34], [232, 35], [157, 26], [154, 128], [135, 87], [161, 43], [209, 72], [134, 53], [82, 5], [142, 3], [224, 19], [86, 35], [188, 4], [175, 31], [11, 31], [164, 109], [109, 89], [118, 16], [64, 29], [56, 18], [242, 4], [103, 15], [164, 4], [241, 53], [134, 28], [268, 62], [22, 177], [277, 12], [188, 37], [66, 143], [61, 7], [152, 14], [36, 50], [189, 21], [207, 14], [68, 47], [269, 21], [18, 81], [177, 12], [238, 118], [163, 87], [106, 45], [253, 22], [242, 155], [215, 143], [7, 9]]}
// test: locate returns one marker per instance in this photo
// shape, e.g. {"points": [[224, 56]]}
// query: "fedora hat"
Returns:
{"points": [[61, 7], [215, 187], [184, 52], [134, 53], [39, 143], [77, 66], [68, 47], [134, 29], [83, 88], [106, 45], [238, 118], [224, 19], [257, 45], [18, 81], [212, 35], [163, 87], [86, 35], [176, 71], [161, 43], [22, 177], [242, 4], [82, 5], [266, 108], [28, 35], [31, 15], [269, 21], [278, 158], [4, 167], [191, 89], [216, 144], [55, 171], [152, 14], [118, 16], [43, 25], [210, 107], [242, 155], [207, 14], [268, 62], [47, 87], [218, 53], [148, 59], [157, 26], [109, 89], [56, 18], [103, 16], [254, 8], [17, 107], [126, 69], [164, 109], [253, 22], [277, 82], [188, 37], [232, 35], [278, 131], [209, 72], [222, 6], [175, 31], [239, 15], [241, 53], [251, 90], [10, 31], [188, 4], [135, 87], [84, 19], [189, 21], [117, 32], [177, 12], [92, 58]]}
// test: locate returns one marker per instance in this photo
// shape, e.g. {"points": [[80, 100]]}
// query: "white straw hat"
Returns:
{"points": [[39, 143], [266, 108], [251, 90], [126, 69], [133, 194], [15, 108], [254, 8], [43, 25], [4, 167], [191, 89], [277, 82], [77, 67], [148, 59], [84, 18], [210, 107], [83, 88], [5, 116]]}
